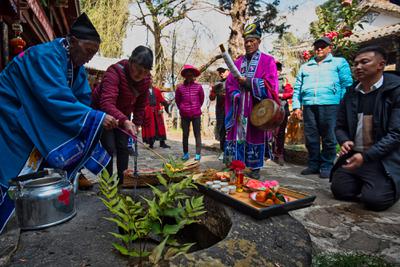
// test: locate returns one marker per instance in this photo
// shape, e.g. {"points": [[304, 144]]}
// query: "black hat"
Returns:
{"points": [[83, 29], [221, 69], [252, 30], [324, 40], [142, 56]]}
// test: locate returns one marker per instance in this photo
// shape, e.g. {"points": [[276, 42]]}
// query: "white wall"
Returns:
{"points": [[381, 20]]}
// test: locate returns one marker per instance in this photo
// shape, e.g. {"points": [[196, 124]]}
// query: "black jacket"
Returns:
{"points": [[386, 126]]}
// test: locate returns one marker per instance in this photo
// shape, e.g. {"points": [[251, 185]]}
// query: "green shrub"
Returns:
{"points": [[348, 260], [169, 211]]}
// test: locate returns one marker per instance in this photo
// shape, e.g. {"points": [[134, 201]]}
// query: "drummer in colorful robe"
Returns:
{"points": [[258, 77], [153, 127], [46, 118]]}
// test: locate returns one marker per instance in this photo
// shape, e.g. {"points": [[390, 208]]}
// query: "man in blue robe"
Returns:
{"points": [[46, 116]]}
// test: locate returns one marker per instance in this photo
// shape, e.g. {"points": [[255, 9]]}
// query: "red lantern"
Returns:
{"points": [[17, 45]]}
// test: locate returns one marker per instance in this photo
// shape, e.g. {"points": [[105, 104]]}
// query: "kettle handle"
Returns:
{"points": [[29, 176]]}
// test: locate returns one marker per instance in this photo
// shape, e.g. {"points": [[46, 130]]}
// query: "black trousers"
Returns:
{"points": [[196, 123], [221, 134], [116, 143], [369, 183]]}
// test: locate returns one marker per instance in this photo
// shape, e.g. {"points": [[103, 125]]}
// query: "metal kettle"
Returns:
{"points": [[42, 199]]}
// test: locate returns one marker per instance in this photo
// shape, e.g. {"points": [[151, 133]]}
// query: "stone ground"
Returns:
{"points": [[333, 226]]}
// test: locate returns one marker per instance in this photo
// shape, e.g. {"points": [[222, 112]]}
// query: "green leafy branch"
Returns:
{"points": [[168, 212]]}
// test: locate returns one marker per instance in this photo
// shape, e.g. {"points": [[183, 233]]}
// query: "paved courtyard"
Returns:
{"points": [[333, 226]]}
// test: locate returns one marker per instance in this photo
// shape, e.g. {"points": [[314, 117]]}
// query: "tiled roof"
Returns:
{"points": [[384, 5], [379, 33], [101, 63]]}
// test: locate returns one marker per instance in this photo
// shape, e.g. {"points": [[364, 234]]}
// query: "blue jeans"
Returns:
{"points": [[319, 125]]}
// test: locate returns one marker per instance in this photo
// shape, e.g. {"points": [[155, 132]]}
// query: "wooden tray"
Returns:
{"points": [[243, 203], [147, 177]]}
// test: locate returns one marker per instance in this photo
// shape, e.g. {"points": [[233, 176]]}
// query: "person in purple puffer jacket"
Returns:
{"points": [[189, 98]]}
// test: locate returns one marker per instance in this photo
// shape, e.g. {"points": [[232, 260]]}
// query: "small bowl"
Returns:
{"points": [[209, 183], [216, 186], [225, 190], [217, 181], [224, 184], [232, 189]]}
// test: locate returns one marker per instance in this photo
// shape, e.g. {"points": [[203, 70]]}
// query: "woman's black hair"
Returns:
{"points": [[142, 56]]}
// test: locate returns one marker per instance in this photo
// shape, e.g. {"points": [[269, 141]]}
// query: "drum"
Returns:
{"points": [[267, 115]]}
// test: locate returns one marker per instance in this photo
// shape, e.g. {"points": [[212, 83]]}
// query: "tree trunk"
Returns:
{"points": [[160, 60], [239, 18]]}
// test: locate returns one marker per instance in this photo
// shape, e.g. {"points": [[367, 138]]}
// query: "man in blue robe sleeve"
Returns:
{"points": [[46, 118]]}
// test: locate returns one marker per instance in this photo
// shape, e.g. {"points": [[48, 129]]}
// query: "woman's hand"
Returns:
{"points": [[110, 122], [130, 127]]}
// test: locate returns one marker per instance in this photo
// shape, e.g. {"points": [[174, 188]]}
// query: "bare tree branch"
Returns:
{"points": [[215, 8], [209, 63], [143, 19], [173, 20]]}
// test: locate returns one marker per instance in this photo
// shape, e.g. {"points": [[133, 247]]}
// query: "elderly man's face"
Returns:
{"points": [[82, 51], [321, 49], [367, 65], [251, 45]]}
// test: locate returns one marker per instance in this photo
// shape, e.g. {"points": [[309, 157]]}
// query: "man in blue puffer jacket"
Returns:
{"points": [[320, 85]]}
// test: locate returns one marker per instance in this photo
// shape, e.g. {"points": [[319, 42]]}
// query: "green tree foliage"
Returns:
{"points": [[333, 16], [110, 17], [282, 50]]}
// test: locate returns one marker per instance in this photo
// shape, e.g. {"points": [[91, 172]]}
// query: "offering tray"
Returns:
{"points": [[242, 202]]}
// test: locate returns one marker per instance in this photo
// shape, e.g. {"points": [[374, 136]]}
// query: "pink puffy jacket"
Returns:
{"points": [[189, 98]]}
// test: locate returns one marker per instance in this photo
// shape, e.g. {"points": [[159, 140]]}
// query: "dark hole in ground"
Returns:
{"points": [[199, 234], [213, 227]]}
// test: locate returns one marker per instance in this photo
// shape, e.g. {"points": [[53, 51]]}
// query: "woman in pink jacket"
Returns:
{"points": [[189, 97]]}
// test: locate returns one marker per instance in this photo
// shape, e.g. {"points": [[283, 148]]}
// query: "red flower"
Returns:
{"points": [[237, 165], [306, 55], [331, 35], [64, 197]]}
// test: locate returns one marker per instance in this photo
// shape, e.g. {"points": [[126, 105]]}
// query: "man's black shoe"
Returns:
{"points": [[165, 145], [309, 171]]}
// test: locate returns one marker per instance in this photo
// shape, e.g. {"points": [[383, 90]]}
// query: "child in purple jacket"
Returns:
{"points": [[189, 97]]}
